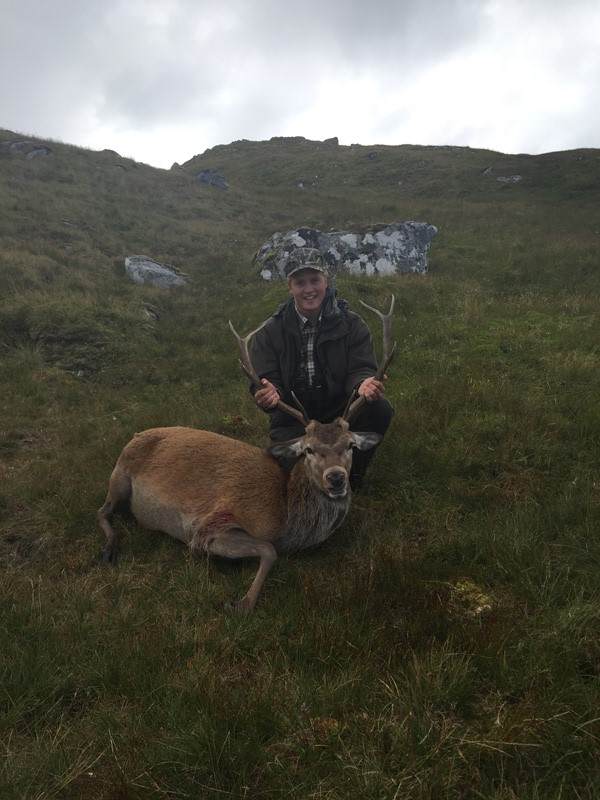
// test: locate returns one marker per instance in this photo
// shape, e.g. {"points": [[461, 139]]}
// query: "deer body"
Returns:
{"points": [[227, 498], [183, 480]]}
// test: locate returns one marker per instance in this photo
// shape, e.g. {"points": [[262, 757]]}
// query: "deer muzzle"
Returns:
{"points": [[335, 480]]}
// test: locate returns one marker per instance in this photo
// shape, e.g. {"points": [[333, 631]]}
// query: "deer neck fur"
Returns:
{"points": [[312, 516]]}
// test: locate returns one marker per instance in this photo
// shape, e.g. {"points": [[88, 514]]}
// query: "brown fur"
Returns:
{"points": [[202, 474]]}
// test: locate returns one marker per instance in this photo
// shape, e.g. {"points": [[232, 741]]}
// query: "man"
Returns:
{"points": [[317, 348]]}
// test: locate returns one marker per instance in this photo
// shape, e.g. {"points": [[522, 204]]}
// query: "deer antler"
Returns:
{"points": [[246, 365], [355, 403]]}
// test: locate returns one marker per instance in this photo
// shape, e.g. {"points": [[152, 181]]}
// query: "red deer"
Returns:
{"points": [[227, 498]]}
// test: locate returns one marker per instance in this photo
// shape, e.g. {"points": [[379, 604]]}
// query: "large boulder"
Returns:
{"points": [[380, 250], [142, 269]]}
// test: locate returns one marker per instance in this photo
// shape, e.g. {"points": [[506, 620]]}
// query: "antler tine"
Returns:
{"points": [[245, 361], [355, 403], [386, 319], [246, 365], [301, 416], [301, 407]]}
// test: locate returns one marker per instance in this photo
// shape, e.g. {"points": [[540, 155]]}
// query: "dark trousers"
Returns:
{"points": [[373, 417]]}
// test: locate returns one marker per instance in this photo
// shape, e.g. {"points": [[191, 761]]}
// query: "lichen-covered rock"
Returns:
{"points": [[212, 178], [380, 250], [144, 270]]}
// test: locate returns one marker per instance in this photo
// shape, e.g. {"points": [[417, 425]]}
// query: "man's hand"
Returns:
{"points": [[371, 389], [268, 396]]}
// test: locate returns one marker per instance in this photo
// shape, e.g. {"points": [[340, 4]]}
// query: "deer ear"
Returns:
{"points": [[291, 449], [365, 441]]}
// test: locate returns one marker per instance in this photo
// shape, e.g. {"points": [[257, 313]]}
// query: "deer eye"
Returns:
{"points": [[309, 451]]}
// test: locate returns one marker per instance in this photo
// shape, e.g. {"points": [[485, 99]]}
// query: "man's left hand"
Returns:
{"points": [[371, 389]]}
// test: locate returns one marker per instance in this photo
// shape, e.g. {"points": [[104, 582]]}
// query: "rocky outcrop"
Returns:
{"points": [[212, 178], [24, 148], [144, 270], [380, 250]]}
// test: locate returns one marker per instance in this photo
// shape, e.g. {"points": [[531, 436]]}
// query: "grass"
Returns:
{"points": [[444, 643]]}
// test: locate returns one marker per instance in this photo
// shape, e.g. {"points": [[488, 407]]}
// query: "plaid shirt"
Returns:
{"points": [[308, 331]]}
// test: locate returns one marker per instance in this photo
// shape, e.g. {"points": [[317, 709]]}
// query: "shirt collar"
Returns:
{"points": [[304, 319]]}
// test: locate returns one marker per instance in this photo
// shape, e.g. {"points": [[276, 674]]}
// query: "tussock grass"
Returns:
{"points": [[444, 643]]}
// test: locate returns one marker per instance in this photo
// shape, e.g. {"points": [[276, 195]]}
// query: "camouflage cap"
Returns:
{"points": [[305, 258]]}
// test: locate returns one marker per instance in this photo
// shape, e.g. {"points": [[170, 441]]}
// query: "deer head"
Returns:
{"points": [[327, 450]]}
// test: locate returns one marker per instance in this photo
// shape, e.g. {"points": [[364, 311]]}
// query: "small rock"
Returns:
{"points": [[509, 179], [144, 270], [151, 312], [25, 148], [38, 151], [212, 178]]}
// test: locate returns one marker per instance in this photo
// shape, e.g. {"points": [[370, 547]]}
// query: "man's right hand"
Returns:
{"points": [[268, 396]]}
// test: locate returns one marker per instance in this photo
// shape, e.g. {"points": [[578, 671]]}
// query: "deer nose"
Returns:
{"points": [[336, 478]]}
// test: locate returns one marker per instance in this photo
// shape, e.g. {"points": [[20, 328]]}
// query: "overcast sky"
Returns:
{"points": [[162, 80]]}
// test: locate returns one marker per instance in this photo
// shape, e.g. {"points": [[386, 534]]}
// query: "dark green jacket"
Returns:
{"points": [[343, 349]]}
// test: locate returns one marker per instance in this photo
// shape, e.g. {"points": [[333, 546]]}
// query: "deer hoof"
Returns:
{"points": [[239, 606], [109, 556]]}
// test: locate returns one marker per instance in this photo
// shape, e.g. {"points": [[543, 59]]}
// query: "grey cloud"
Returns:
{"points": [[236, 69], [106, 55], [358, 33], [47, 53]]}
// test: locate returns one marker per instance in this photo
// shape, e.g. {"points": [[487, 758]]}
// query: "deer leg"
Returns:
{"points": [[119, 492], [238, 544]]}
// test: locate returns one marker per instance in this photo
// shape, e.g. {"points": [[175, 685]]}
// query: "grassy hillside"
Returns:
{"points": [[445, 642]]}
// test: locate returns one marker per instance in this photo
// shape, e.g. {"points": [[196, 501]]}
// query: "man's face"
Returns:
{"points": [[308, 287]]}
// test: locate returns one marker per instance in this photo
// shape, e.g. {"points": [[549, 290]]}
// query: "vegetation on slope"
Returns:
{"points": [[445, 642]]}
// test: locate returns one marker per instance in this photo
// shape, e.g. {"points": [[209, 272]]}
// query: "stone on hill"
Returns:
{"points": [[212, 178], [503, 178], [381, 250], [22, 147], [144, 270]]}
